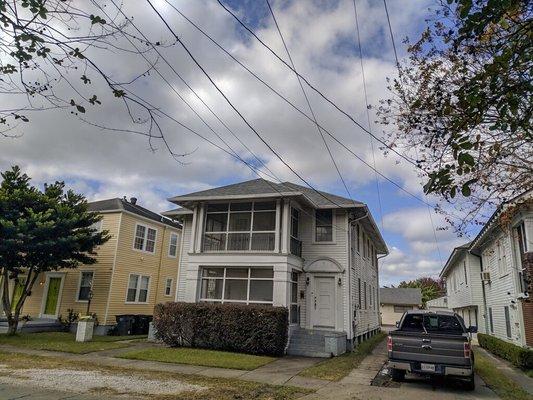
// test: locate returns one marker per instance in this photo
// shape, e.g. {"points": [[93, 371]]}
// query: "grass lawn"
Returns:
{"points": [[336, 368], [217, 388], [62, 341], [208, 358], [504, 387]]}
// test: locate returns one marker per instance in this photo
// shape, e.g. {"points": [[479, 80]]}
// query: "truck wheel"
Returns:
{"points": [[398, 375], [471, 383]]}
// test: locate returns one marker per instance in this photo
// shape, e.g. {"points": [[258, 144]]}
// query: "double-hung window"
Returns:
{"points": [[173, 245], [507, 321], [249, 226], [145, 238], [168, 287], [138, 289], [237, 285], [502, 258], [86, 283], [324, 225]]}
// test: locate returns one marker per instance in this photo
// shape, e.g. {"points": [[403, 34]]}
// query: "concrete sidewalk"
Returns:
{"points": [[283, 371]]}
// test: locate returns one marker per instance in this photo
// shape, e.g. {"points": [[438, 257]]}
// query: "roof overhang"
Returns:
{"points": [[369, 223], [456, 253]]}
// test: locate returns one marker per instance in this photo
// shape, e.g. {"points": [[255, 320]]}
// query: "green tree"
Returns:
{"points": [[40, 231], [462, 104], [431, 288]]}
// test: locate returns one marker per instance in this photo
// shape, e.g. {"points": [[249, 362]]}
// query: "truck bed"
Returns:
{"points": [[432, 348]]}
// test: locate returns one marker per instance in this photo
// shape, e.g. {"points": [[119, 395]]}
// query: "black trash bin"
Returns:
{"points": [[125, 324], [142, 324]]}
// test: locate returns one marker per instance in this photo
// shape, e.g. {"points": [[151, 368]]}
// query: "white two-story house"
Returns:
{"points": [[489, 281], [258, 242], [505, 248], [462, 273]]}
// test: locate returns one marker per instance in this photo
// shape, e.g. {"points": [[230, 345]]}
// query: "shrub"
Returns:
{"points": [[229, 327], [518, 356]]}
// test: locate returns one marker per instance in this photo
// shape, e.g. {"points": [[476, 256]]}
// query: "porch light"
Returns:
{"points": [[339, 282], [307, 281]]}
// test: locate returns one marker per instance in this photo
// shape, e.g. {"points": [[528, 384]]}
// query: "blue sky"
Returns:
{"points": [[321, 38]]}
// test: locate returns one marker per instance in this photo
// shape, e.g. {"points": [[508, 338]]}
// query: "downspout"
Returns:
{"points": [[485, 311], [160, 264]]}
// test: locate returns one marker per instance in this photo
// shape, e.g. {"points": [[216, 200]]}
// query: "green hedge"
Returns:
{"points": [[519, 356], [228, 327]]}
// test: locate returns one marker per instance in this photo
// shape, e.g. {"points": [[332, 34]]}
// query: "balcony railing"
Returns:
{"points": [[255, 241], [296, 247]]}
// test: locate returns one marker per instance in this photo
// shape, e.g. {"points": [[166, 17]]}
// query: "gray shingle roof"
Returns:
{"points": [[263, 187], [117, 204], [407, 296]]}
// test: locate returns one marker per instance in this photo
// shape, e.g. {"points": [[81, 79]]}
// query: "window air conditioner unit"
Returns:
{"points": [[485, 276]]}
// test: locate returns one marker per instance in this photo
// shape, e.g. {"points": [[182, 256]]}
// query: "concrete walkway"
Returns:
{"points": [[510, 371], [357, 385], [12, 392], [283, 371]]}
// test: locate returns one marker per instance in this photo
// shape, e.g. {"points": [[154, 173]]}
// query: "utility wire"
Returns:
{"points": [[416, 150], [210, 38], [338, 108], [235, 108], [391, 35], [308, 102], [271, 174], [367, 106], [232, 152]]}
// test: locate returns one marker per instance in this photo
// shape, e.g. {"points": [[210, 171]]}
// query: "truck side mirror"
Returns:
{"points": [[397, 324], [472, 329]]}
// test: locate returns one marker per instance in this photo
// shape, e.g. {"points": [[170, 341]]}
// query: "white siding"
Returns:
{"points": [[501, 291], [184, 258]]}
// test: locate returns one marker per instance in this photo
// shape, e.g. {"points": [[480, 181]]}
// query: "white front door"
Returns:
{"points": [[324, 302]]}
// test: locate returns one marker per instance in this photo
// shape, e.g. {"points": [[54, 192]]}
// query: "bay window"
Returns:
{"points": [[249, 226], [237, 285]]}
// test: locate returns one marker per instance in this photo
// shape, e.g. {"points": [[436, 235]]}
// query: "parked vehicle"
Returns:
{"points": [[431, 343]]}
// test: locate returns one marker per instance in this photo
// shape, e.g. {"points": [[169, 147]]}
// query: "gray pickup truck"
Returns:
{"points": [[431, 343]]}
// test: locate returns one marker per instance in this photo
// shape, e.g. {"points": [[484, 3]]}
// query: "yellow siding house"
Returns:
{"points": [[136, 269]]}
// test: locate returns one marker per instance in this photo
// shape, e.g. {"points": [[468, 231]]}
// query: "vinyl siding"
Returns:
{"points": [[102, 276], [366, 319], [337, 250], [132, 261], [501, 291], [184, 258], [169, 268]]}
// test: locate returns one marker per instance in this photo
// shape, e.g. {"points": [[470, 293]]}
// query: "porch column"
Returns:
{"points": [[193, 230], [199, 228], [281, 286]]}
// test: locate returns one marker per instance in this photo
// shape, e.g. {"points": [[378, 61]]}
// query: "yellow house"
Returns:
{"points": [[136, 269]]}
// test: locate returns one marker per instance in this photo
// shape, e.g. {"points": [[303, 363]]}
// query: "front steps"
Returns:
{"points": [[316, 343]]}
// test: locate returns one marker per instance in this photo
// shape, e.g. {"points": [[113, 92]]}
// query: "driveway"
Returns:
{"points": [[371, 381]]}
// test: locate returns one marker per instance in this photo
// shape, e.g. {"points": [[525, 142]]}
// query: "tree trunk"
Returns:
{"points": [[12, 326]]}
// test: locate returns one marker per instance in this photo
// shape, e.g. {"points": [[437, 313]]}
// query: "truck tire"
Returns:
{"points": [[398, 375], [471, 383]]}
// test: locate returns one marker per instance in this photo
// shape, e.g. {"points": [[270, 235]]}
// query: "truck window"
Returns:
{"points": [[432, 323]]}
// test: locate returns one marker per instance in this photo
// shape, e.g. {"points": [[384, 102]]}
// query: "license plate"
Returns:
{"points": [[427, 367]]}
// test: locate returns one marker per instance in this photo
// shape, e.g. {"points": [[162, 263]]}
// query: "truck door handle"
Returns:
{"points": [[426, 347]]}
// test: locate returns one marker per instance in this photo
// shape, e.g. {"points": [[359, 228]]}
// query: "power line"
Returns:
{"points": [[210, 38], [350, 117], [233, 106], [367, 108], [308, 102], [191, 89], [232, 152], [416, 150], [391, 34]]}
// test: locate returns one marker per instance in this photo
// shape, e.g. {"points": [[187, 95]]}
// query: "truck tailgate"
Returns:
{"points": [[429, 348]]}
